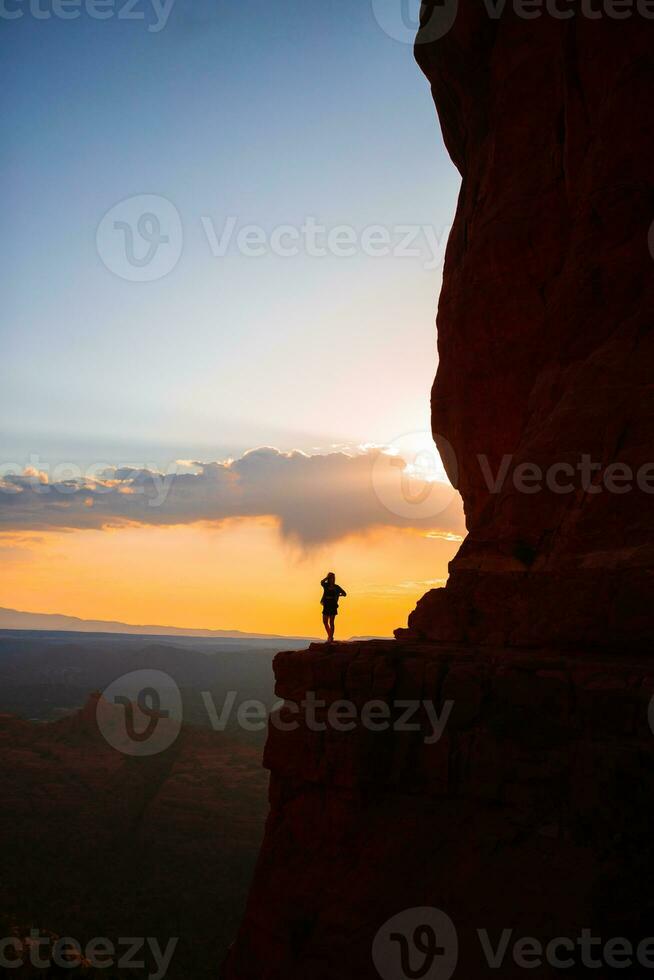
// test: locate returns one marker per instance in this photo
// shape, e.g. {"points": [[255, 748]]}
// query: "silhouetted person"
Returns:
{"points": [[330, 596]]}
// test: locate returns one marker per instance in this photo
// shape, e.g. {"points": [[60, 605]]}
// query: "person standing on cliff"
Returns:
{"points": [[330, 595]]}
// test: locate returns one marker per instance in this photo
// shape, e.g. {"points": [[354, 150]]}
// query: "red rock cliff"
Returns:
{"points": [[545, 327], [532, 812]]}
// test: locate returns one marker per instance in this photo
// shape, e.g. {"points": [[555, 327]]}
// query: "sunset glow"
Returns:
{"points": [[239, 575]]}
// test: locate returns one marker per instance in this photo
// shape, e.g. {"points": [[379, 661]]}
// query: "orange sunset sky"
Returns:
{"points": [[196, 576], [377, 518]]}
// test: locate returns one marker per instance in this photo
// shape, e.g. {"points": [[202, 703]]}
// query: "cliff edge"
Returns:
{"points": [[524, 806]]}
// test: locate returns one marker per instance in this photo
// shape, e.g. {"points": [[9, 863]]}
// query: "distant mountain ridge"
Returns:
{"points": [[13, 619]]}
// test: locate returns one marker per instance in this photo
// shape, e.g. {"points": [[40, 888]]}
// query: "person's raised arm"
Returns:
{"points": [[323, 582]]}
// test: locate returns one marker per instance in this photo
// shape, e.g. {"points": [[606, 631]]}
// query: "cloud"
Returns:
{"points": [[316, 498]]}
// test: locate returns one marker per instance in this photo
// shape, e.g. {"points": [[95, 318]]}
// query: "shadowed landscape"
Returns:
{"points": [[96, 843]]}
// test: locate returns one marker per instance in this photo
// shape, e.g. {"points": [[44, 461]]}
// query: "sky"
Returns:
{"points": [[209, 213]]}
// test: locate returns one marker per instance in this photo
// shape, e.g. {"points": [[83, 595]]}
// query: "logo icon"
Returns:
{"points": [[140, 713], [417, 944], [415, 22], [413, 479], [140, 239]]}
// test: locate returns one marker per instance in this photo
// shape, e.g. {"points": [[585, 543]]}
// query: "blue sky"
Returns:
{"points": [[269, 113]]}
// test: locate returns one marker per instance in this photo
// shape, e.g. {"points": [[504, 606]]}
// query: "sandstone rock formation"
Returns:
{"points": [[545, 327], [531, 813]]}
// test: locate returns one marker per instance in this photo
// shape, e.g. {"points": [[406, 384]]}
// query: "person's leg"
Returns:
{"points": [[325, 622], [332, 623]]}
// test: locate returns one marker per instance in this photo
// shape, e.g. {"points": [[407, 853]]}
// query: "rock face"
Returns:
{"points": [[545, 327], [530, 813]]}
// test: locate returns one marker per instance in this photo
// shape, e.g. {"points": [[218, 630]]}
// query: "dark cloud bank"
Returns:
{"points": [[316, 498]]}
